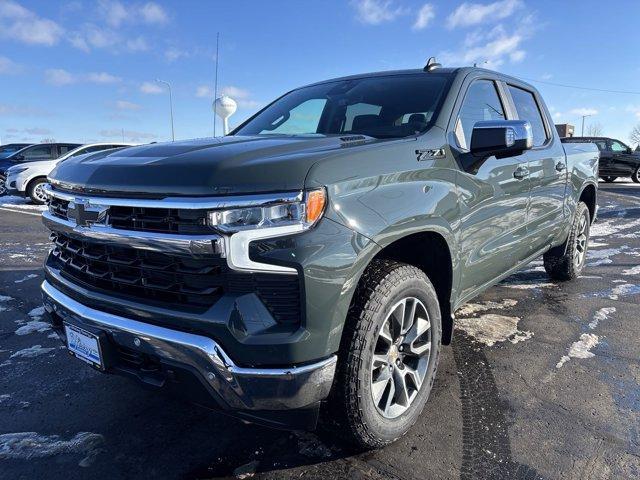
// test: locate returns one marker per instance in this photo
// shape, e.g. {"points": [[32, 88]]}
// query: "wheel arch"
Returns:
{"points": [[430, 251], [589, 195], [32, 180]]}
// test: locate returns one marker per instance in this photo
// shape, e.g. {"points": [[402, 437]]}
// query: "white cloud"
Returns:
{"points": [[172, 54], [138, 44], [584, 111], [635, 109], [59, 77], [114, 12], [489, 50], [546, 76], [241, 96], [375, 12], [130, 106], [153, 13], [425, 15], [23, 25], [102, 77], [150, 88], [37, 131], [8, 66], [469, 14], [204, 91]]}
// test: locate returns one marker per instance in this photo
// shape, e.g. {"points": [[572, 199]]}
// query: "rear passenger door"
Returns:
{"points": [[493, 194], [547, 170]]}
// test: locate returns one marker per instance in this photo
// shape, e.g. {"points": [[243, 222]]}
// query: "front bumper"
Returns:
{"points": [[232, 388]]}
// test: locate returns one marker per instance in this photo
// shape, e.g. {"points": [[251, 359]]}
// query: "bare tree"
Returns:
{"points": [[48, 140], [594, 130], [635, 135]]}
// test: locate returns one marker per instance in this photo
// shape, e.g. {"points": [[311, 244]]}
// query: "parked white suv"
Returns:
{"points": [[27, 179]]}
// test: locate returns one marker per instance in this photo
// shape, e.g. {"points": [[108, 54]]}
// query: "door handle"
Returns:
{"points": [[521, 173], [560, 166]]}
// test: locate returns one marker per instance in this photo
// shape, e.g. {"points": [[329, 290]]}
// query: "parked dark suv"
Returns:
{"points": [[32, 153], [616, 158], [11, 148]]}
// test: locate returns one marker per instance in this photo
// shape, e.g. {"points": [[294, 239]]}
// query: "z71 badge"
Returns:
{"points": [[429, 154]]}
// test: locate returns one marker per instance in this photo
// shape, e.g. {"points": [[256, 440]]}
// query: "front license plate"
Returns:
{"points": [[83, 345]]}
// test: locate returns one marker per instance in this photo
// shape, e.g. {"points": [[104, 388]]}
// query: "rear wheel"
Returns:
{"points": [[35, 191], [635, 176], [389, 354], [609, 179], [567, 261]]}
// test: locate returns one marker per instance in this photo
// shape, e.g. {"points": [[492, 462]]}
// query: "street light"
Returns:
{"points": [[173, 135]]}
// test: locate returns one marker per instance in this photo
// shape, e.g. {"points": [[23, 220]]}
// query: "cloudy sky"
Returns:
{"points": [[86, 70]]}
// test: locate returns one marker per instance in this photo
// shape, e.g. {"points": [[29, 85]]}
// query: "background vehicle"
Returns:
{"points": [[27, 178], [316, 254], [32, 153], [616, 158], [10, 148]]}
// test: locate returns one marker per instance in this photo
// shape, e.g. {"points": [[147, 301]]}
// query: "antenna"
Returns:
{"points": [[431, 64], [215, 87]]}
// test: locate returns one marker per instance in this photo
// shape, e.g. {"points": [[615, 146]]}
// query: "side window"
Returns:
{"points": [[618, 146], [357, 110], [602, 145], [481, 102], [38, 153], [527, 109], [303, 118]]}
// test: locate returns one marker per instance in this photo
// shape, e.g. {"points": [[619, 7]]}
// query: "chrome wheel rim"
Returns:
{"points": [[401, 357], [581, 242], [38, 192]]}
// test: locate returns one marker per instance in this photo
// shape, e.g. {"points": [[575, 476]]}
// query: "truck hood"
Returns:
{"points": [[214, 166]]}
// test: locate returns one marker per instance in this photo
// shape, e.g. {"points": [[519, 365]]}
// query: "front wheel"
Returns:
{"points": [[35, 191], [389, 354], [567, 261], [635, 176]]}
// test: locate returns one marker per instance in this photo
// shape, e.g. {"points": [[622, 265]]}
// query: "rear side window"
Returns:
{"points": [[480, 103], [38, 153], [527, 109]]}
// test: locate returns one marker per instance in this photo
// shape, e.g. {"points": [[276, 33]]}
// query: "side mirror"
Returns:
{"points": [[502, 138]]}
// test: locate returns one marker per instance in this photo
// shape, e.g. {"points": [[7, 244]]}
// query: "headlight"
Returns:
{"points": [[304, 213], [15, 170]]}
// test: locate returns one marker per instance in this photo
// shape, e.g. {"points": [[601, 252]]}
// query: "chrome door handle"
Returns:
{"points": [[520, 173], [560, 166]]}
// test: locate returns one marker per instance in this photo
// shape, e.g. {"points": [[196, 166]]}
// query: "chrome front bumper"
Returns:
{"points": [[240, 388]]}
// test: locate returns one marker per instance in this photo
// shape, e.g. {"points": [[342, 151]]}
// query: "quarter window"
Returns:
{"points": [[618, 146], [527, 109], [480, 103]]}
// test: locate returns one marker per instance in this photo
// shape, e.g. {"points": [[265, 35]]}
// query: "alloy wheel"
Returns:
{"points": [[38, 192], [581, 242], [401, 357]]}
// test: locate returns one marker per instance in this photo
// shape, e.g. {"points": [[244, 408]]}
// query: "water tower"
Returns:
{"points": [[224, 107]]}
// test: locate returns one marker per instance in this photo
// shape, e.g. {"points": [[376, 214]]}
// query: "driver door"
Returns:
{"points": [[493, 196]]}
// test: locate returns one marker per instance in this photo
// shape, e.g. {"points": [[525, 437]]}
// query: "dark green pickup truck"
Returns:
{"points": [[314, 257]]}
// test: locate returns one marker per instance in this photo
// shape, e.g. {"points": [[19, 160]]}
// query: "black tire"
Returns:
{"points": [[3, 187], [567, 261], [609, 179], [383, 285], [635, 176], [33, 190]]}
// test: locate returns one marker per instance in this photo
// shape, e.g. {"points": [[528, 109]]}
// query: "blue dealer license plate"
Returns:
{"points": [[84, 345]]}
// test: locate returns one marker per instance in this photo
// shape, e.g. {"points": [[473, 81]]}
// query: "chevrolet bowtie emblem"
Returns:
{"points": [[84, 214]]}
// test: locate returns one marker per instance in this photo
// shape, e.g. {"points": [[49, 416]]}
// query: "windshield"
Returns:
{"points": [[381, 107]]}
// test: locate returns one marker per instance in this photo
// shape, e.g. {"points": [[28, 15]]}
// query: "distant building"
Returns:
{"points": [[565, 129]]}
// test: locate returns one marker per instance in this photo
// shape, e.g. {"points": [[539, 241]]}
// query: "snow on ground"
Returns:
{"points": [[28, 445], [28, 277], [13, 201], [33, 326], [31, 352], [632, 271], [580, 349], [600, 315]]}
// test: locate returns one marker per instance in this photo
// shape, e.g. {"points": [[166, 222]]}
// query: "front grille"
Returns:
{"points": [[170, 281], [159, 220]]}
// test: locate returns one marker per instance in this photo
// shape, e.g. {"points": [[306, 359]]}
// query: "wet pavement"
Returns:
{"points": [[542, 381]]}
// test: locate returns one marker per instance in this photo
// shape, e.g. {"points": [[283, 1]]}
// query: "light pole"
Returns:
{"points": [[583, 117], [173, 135]]}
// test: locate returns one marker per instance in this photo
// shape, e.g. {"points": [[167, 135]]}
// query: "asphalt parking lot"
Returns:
{"points": [[542, 381]]}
